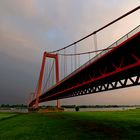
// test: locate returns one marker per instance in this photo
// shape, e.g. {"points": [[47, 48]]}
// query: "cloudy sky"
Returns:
{"points": [[30, 27]]}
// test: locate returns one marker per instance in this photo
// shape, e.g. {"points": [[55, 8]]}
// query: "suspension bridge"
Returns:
{"points": [[72, 71]]}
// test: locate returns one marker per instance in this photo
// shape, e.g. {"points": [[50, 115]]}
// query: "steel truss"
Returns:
{"points": [[119, 68]]}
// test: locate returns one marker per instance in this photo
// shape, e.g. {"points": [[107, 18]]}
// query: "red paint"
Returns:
{"points": [[38, 93]]}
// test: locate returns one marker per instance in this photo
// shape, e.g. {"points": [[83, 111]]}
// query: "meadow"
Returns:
{"points": [[101, 125]]}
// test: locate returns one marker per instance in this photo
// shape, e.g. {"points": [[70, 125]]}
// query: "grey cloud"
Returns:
{"points": [[29, 27]]}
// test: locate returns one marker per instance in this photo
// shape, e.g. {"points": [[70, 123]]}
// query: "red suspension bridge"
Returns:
{"points": [[68, 72]]}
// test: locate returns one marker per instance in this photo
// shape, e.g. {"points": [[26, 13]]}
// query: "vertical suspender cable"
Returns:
{"points": [[78, 61], [64, 64], [89, 56], [50, 76], [61, 67], [95, 43], [53, 75], [75, 51], [71, 64], [48, 72]]}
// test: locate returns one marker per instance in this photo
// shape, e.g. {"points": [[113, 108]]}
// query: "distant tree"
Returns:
{"points": [[2, 105], [76, 108]]}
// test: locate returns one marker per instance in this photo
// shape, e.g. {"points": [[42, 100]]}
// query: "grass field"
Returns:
{"points": [[71, 126], [4, 115]]}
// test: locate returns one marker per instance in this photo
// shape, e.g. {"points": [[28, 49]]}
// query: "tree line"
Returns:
{"points": [[13, 106]]}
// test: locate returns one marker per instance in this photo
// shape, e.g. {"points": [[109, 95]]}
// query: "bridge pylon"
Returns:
{"points": [[39, 86]]}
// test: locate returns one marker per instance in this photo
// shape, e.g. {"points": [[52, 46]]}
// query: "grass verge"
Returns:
{"points": [[71, 126]]}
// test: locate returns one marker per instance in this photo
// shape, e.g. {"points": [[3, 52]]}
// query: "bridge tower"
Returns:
{"points": [[45, 55]]}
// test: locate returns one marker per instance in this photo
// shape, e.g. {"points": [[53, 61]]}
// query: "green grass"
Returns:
{"points": [[71, 126], [4, 115]]}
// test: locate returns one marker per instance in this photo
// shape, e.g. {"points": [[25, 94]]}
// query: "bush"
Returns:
{"points": [[76, 108]]}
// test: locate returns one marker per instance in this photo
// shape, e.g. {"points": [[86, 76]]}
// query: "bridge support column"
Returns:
{"points": [[40, 80], [58, 103], [45, 55], [57, 76]]}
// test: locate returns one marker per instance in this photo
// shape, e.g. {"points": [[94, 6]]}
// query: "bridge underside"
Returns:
{"points": [[118, 68]]}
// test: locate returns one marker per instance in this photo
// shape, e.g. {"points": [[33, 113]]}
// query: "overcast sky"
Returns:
{"points": [[30, 27]]}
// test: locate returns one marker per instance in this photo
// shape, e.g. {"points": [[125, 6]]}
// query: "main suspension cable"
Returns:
{"points": [[83, 53], [96, 31]]}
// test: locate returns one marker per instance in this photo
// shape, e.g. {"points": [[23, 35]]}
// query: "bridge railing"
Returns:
{"points": [[122, 39]]}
